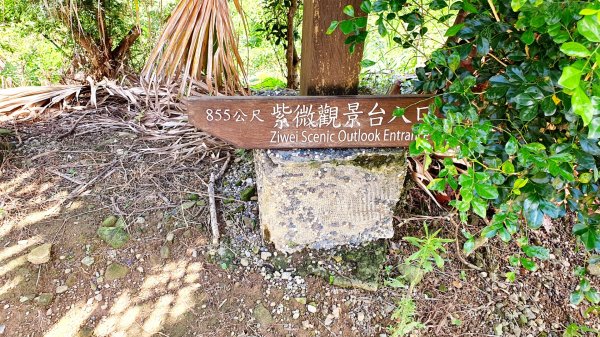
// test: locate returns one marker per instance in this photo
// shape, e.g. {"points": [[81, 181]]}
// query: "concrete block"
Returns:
{"points": [[320, 199]]}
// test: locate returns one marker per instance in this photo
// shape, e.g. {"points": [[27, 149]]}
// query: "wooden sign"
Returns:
{"points": [[286, 122]]}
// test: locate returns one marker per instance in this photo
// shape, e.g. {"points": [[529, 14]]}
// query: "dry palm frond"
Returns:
{"points": [[424, 170], [198, 43], [27, 103]]}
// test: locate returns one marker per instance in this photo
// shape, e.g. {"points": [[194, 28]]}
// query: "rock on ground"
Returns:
{"points": [[322, 200], [115, 271], [40, 254]]}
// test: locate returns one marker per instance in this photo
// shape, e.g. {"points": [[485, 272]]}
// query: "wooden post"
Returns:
{"points": [[327, 67]]}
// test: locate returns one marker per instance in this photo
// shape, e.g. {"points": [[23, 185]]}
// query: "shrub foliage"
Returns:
{"points": [[517, 90]]}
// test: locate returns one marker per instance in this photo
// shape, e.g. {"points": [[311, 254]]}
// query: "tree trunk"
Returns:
{"points": [[328, 67], [291, 54], [104, 62]]}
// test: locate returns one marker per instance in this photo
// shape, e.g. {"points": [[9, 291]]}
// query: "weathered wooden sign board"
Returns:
{"points": [[285, 122]]}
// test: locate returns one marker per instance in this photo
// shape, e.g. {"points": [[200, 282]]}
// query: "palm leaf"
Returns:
{"points": [[197, 44]]}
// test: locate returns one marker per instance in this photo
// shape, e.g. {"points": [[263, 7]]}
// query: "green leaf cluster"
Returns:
{"points": [[518, 98]]}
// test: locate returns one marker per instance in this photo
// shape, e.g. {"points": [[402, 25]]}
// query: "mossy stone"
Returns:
{"points": [[248, 193]]}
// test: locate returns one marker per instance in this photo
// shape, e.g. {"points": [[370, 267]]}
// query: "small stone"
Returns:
{"points": [[498, 329], [109, 221], [296, 314], [360, 316], [115, 271], [312, 308], [336, 312], [247, 222], [301, 300], [26, 298], [2, 329], [140, 269], [286, 275], [265, 255], [44, 299], [244, 262], [85, 331], [594, 269], [165, 252], [140, 220], [49, 312], [306, 325], [40, 254], [328, 320], [523, 319], [262, 315], [61, 289], [170, 237], [87, 261], [115, 236], [98, 297]]}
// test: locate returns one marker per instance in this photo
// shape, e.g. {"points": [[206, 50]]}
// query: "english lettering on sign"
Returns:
{"points": [[309, 122]]}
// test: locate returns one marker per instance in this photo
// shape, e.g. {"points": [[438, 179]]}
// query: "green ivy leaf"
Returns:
{"points": [[592, 295], [575, 49], [528, 264], [452, 31], [576, 297], [346, 26], [588, 234], [536, 251], [570, 78], [594, 128], [399, 112], [361, 22], [367, 63], [454, 61], [332, 27], [589, 27], [511, 146], [513, 260], [517, 4], [588, 11], [366, 6], [348, 10], [468, 7], [582, 106], [469, 246], [528, 37], [508, 167], [486, 191], [479, 207]]}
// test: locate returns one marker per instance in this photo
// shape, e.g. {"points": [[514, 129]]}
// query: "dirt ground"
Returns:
{"points": [[171, 282]]}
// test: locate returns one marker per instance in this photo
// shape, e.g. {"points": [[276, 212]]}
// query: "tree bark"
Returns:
{"points": [[291, 54], [328, 67]]}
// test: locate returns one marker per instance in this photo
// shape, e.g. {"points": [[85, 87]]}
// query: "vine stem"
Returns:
{"points": [[491, 3], [458, 250]]}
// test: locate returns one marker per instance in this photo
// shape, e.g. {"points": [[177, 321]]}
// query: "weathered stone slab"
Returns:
{"points": [[324, 198]]}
